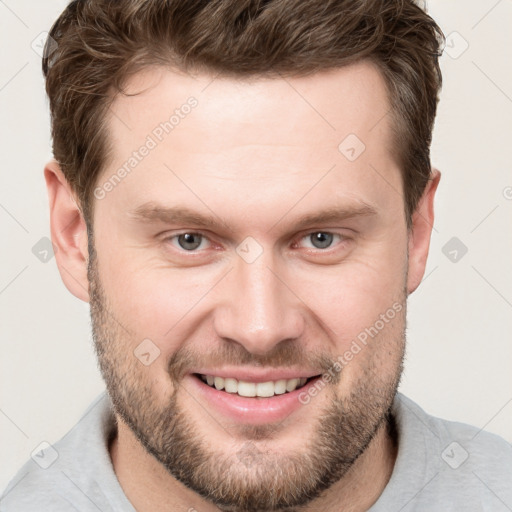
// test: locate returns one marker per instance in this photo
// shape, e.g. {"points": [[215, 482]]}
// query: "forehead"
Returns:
{"points": [[228, 135], [319, 107]]}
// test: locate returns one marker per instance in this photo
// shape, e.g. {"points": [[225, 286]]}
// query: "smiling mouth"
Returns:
{"points": [[254, 389]]}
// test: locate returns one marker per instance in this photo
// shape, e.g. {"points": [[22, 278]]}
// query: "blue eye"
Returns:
{"points": [[189, 241], [193, 242], [321, 239]]}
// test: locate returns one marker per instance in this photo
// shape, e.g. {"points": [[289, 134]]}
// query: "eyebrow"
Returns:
{"points": [[181, 215], [332, 214], [152, 212]]}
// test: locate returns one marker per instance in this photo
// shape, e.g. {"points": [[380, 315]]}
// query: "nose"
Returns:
{"points": [[257, 309]]}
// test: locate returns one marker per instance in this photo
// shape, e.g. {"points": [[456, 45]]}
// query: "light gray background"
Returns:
{"points": [[459, 345]]}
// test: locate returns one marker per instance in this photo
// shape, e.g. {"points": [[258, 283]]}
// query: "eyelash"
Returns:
{"points": [[342, 238]]}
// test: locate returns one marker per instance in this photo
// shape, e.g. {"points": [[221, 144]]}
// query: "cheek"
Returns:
{"points": [[364, 311], [352, 297], [154, 301]]}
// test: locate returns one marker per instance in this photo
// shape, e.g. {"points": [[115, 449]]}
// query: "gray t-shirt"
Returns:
{"points": [[441, 466]]}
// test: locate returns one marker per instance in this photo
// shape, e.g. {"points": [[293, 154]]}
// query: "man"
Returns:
{"points": [[243, 193]]}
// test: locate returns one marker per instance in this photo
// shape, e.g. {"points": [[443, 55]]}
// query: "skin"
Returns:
{"points": [[270, 142]]}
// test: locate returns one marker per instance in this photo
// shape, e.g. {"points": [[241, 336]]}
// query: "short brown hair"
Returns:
{"points": [[101, 43]]}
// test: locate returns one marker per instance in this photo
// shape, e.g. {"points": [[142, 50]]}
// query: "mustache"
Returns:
{"points": [[288, 353]]}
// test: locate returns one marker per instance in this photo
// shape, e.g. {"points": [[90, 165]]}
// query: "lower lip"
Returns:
{"points": [[254, 411]]}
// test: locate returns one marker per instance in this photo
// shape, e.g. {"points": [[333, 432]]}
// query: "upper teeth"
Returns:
{"points": [[251, 389]]}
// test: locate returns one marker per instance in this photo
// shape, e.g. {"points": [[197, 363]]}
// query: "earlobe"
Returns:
{"points": [[68, 232], [420, 232]]}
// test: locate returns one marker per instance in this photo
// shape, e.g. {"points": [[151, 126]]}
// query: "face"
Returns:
{"points": [[245, 244]]}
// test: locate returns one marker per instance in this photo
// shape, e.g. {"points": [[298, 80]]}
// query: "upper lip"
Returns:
{"points": [[257, 374]]}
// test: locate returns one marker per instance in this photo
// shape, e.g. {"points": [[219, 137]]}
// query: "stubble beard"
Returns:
{"points": [[253, 479]]}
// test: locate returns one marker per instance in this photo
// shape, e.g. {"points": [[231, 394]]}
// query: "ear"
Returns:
{"points": [[68, 232], [420, 231]]}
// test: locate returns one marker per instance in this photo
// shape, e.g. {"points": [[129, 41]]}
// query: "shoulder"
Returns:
{"points": [[32, 490], [458, 440], [446, 465], [74, 474]]}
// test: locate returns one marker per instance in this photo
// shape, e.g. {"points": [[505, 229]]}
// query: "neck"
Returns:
{"points": [[148, 486], [362, 485]]}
